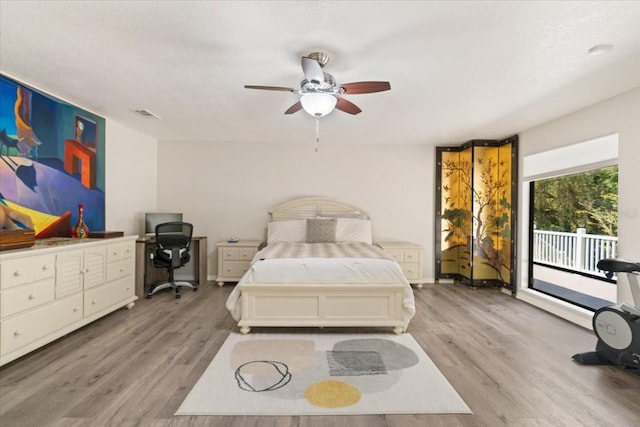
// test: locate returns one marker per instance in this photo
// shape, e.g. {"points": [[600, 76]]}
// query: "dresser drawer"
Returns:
{"points": [[119, 269], [23, 329], [24, 270], [114, 252], [44, 267], [26, 297], [16, 272], [101, 297], [234, 268], [120, 251]]}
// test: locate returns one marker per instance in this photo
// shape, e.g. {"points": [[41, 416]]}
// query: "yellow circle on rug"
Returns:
{"points": [[332, 394]]}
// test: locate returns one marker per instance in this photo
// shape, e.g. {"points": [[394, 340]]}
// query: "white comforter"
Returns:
{"points": [[323, 270]]}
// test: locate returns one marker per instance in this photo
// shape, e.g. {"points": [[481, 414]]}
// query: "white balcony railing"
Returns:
{"points": [[577, 251]]}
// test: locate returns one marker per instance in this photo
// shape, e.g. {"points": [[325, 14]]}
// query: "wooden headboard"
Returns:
{"points": [[312, 207]]}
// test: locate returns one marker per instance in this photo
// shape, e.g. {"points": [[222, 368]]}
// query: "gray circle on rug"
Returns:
{"points": [[394, 356]]}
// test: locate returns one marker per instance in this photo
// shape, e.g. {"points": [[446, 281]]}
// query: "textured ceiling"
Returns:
{"points": [[458, 70]]}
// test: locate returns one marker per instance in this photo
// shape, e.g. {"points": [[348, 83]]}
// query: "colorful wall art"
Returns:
{"points": [[52, 158]]}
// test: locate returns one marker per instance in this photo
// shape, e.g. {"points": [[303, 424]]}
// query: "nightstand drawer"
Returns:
{"points": [[234, 268], [411, 270], [246, 254], [397, 254], [238, 254], [234, 259], [411, 255]]}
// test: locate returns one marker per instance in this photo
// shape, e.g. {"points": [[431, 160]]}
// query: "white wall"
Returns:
{"points": [[131, 178], [227, 189], [620, 115]]}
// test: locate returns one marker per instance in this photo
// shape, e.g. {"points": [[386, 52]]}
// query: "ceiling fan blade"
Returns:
{"points": [[294, 108], [365, 87], [285, 89], [312, 70], [347, 106]]}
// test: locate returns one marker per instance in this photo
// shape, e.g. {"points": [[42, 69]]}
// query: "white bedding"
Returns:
{"points": [[321, 271]]}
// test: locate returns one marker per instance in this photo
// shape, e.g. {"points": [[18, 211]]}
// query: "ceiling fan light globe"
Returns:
{"points": [[318, 104]]}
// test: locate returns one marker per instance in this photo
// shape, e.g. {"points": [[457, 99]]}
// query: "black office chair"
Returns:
{"points": [[173, 241]]}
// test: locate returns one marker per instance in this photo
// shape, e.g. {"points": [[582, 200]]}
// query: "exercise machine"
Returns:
{"points": [[617, 326]]}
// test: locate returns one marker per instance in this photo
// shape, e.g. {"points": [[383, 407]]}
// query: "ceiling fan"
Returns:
{"points": [[319, 93]]}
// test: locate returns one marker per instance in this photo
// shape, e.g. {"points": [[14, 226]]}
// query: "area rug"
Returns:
{"points": [[321, 374]]}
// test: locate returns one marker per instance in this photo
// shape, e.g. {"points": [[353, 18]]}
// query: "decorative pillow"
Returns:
{"points": [[320, 230], [291, 231], [353, 230]]}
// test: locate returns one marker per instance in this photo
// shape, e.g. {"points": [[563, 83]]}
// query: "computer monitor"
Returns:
{"points": [[151, 219]]}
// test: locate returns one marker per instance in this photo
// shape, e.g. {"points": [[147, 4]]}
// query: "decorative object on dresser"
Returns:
{"points": [[410, 256], [16, 239], [234, 258], [104, 234], [80, 230], [60, 285], [342, 283]]}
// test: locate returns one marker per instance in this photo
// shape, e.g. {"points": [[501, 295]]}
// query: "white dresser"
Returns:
{"points": [[234, 259], [59, 285], [409, 256]]}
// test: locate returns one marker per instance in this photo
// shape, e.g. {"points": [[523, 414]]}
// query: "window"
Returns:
{"points": [[573, 224]]}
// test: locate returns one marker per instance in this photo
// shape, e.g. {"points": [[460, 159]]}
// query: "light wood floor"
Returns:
{"points": [[508, 360]]}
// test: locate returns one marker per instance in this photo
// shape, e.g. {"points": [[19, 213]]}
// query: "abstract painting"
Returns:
{"points": [[52, 159]]}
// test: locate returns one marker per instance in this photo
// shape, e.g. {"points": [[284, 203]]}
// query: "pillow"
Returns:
{"points": [[321, 230], [291, 231], [353, 230]]}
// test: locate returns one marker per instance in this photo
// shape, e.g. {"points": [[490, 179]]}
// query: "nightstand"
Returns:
{"points": [[409, 256], [234, 259]]}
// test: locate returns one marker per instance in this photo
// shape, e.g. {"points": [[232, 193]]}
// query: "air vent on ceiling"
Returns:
{"points": [[146, 114]]}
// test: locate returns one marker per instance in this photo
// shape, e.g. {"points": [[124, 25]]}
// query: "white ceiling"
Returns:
{"points": [[458, 70]]}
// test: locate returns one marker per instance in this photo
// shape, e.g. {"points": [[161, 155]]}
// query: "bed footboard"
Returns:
{"points": [[318, 305]]}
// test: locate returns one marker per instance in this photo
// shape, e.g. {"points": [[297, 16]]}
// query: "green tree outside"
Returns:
{"points": [[584, 200]]}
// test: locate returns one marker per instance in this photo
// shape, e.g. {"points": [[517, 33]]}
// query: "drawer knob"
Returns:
{"points": [[93, 302], [121, 269], [31, 296], [16, 273], [75, 309], [17, 333], [45, 267]]}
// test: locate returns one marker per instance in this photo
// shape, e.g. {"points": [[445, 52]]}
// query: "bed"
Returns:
{"points": [[303, 278]]}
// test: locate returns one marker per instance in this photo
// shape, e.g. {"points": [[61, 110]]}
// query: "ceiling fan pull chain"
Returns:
{"points": [[317, 132]]}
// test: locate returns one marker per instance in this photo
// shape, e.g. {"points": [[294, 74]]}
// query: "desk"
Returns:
{"points": [[146, 273]]}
